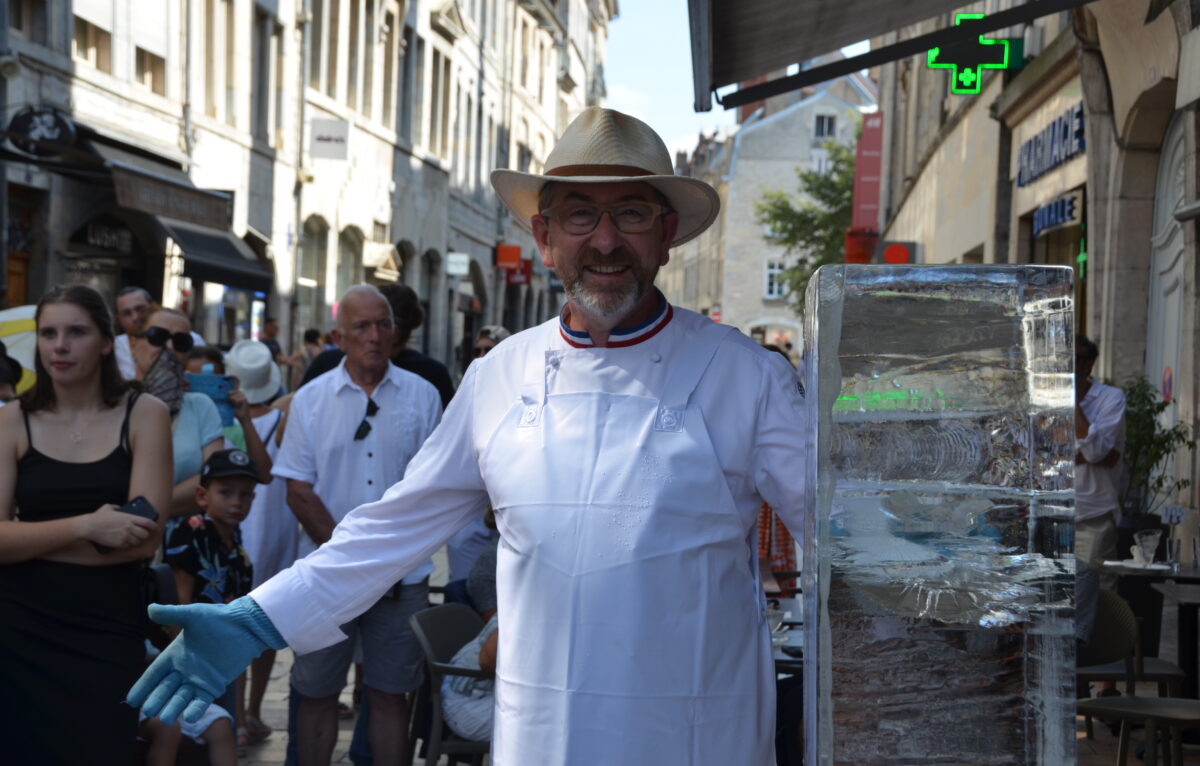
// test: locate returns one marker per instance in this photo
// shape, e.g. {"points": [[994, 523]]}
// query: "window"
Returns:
{"points": [[315, 38], [524, 79], [210, 58], [230, 63], [92, 44], [353, 52], [412, 105], [776, 288], [151, 71], [27, 18], [280, 89], [368, 45], [439, 116], [820, 161], [825, 127], [331, 55], [389, 69], [260, 76]]}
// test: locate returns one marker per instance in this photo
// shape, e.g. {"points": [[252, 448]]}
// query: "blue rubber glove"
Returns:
{"points": [[217, 643]]}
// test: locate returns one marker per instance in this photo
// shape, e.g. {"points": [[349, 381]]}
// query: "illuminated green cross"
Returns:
{"points": [[967, 59]]}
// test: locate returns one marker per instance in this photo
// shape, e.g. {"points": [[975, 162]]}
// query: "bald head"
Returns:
{"points": [[364, 333]]}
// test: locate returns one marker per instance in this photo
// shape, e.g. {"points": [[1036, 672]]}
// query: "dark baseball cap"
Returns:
{"points": [[228, 462]]}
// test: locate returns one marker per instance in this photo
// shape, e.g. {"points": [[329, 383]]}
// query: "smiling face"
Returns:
{"points": [[608, 275], [144, 353], [70, 345]]}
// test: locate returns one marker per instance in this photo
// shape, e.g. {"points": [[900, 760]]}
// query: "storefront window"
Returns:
{"points": [[1061, 245]]}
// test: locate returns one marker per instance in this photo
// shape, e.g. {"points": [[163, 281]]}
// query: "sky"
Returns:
{"points": [[648, 72]]}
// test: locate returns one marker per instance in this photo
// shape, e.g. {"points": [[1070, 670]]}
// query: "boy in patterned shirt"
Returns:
{"points": [[210, 566]]}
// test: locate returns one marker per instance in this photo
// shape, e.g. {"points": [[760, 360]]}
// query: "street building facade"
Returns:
{"points": [[1082, 154], [252, 158], [734, 272]]}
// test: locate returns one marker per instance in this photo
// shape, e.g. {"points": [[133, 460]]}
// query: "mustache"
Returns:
{"points": [[621, 256]]}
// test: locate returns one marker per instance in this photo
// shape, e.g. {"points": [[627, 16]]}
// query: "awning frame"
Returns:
{"points": [[702, 52]]}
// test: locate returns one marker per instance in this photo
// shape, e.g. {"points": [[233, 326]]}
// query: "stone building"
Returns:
{"points": [[245, 158], [734, 271], [1083, 155]]}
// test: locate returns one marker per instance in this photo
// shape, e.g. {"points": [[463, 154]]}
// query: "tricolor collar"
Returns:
{"points": [[619, 338]]}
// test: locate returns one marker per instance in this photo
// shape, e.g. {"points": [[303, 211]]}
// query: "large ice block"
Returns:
{"points": [[938, 568]]}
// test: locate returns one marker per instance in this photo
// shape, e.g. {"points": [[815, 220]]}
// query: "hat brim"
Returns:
{"points": [[266, 392], [696, 203]]}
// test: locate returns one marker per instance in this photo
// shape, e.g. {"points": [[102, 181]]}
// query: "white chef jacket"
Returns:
{"points": [[319, 446], [1097, 487], [751, 402]]}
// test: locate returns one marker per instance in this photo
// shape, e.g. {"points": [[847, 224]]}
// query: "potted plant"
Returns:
{"points": [[1150, 482]]}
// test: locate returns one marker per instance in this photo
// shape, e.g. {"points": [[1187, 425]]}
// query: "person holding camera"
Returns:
{"points": [[77, 450]]}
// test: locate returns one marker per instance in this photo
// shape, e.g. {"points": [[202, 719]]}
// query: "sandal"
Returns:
{"points": [[256, 731]]}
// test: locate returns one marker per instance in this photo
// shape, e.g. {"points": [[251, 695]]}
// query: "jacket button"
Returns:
{"points": [[655, 358]]}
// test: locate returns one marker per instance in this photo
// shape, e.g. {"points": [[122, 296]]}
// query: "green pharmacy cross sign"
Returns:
{"points": [[967, 59]]}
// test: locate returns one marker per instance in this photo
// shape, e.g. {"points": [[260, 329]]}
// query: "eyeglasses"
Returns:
{"points": [[482, 351], [364, 427], [630, 217], [158, 337]]}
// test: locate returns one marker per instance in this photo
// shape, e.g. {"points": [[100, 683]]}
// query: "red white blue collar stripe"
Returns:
{"points": [[619, 338]]}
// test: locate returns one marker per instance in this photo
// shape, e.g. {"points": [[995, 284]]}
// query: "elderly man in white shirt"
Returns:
{"points": [[351, 433], [1100, 441], [626, 447]]}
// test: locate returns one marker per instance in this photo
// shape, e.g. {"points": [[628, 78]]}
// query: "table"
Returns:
{"points": [[1188, 598], [1135, 585]]}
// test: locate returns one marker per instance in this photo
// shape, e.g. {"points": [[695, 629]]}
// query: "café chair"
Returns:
{"points": [[441, 631], [1114, 641]]}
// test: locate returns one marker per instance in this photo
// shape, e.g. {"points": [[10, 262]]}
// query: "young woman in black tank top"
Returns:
{"points": [[78, 445]]}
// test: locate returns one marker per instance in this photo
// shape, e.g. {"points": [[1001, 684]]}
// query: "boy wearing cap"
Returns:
{"points": [[210, 566]]}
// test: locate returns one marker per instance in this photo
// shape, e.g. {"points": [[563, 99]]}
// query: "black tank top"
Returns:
{"points": [[49, 489]]}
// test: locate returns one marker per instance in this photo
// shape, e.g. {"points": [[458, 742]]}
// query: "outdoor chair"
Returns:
{"points": [[1114, 641], [441, 631]]}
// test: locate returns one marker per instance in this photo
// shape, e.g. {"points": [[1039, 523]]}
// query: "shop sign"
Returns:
{"points": [[104, 233], [508, 256], [458, 264], [50, 129], [330, 139], [1064, 211], [868, 161], [1053, 145], [966, 59], [163, 197], [520, 276]]}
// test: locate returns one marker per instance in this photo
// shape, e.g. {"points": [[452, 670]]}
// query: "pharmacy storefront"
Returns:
{"points": [[1049, 177]]}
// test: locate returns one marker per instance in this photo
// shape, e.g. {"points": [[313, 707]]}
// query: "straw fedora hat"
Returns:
{"points": [[606, 146], [258, 376]]}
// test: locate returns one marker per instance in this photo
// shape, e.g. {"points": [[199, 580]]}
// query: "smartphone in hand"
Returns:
{"points": [[217, 388], [139, 506]]}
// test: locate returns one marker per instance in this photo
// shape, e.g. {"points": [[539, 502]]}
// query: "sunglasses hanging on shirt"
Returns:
{"points": [[158, 337], [364, 427]]}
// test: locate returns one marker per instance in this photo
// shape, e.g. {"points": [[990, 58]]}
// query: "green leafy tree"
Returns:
{"points": [[812, 227]]}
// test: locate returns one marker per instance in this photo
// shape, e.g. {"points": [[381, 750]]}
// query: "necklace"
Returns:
{"points": [[77, 436]]}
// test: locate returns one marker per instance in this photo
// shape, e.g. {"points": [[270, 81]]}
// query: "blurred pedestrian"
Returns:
{"points": [[80, 445], [131, 302], [488, 337], [160, 346], [10, 376], [1100, 441], [350, 436], [270, 533]]}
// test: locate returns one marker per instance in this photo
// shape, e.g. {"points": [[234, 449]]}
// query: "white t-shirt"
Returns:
{"points": [[1097, 487], [319, 445], [124, 357]]}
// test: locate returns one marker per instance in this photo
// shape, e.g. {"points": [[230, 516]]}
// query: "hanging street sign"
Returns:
{"points": [[967, 59], [41, 131]]}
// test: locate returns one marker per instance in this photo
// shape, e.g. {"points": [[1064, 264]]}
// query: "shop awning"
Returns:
{"points": [[217, 255], [737, 41]]}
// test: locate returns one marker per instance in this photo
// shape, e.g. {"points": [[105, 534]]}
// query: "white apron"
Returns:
{"points": [[628, 576]]}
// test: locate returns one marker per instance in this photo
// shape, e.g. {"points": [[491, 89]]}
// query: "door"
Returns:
{"points": [[1165, 305]]}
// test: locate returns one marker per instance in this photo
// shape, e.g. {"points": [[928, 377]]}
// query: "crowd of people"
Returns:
{"points": [[150, 446]]}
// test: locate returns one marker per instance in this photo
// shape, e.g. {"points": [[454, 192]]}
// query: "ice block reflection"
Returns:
{"points": [[938, 577]]}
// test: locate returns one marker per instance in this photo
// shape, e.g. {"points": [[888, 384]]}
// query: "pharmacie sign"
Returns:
{"points": [[1064, 211], [1053, 145]]}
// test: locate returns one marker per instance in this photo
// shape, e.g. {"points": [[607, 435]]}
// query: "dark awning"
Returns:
{"points": [[735, 41], [218, 255]]}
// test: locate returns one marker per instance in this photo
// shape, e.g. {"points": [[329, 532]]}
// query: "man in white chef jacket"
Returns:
{"points": [[626, 447]]}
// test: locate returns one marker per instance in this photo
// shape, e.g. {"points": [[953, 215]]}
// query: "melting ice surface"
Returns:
{"points": [[938, 566]]}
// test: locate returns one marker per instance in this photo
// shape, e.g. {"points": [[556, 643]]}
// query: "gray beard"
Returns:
{"points": [[602, 307]]}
